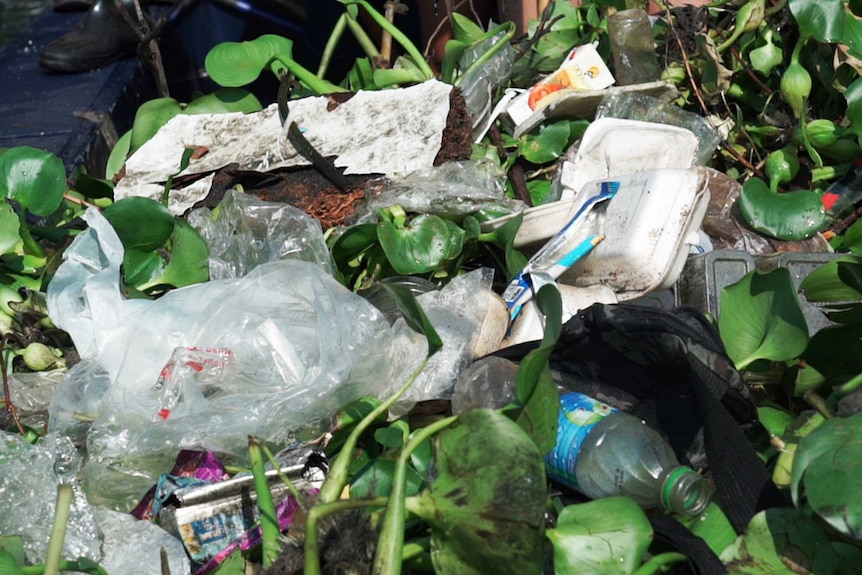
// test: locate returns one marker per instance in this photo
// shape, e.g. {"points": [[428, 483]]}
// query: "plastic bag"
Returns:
{"points": [[478, 85], [246, 231], [303, 345], [451, 189]]}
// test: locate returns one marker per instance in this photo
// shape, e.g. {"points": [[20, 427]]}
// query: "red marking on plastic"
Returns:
{"points": [[829, 199], [164, 413]]}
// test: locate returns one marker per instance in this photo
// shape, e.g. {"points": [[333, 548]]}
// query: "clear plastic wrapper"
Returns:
{"points": [[246, 231], [30, 394], [479, 85], [303, 344], [133, 546], [29, 476], [634, 106], [452, 189]]}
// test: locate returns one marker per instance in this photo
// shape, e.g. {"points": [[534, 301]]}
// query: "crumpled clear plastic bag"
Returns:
{"points": [[479, 85], [453, 189], [303, 344], [29, 477], [30, 394], [246, 231], [131, 545]]}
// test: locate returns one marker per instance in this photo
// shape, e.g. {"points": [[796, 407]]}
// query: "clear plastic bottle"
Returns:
{"points": [[603, 452]]}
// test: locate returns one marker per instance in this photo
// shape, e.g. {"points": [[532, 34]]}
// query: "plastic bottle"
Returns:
{"points": [[600, 451], [603, 452]]}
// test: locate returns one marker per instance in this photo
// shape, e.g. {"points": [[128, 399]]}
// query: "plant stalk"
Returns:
{"points": [[312, 537], [659, 562], [54, 553], [270, 531]]}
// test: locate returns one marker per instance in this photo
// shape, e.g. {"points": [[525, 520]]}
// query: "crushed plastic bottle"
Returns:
{"points": [[603, 452], [847, 191]]}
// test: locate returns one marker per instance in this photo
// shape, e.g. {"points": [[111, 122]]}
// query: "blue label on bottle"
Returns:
{"points": [[579, 414]]}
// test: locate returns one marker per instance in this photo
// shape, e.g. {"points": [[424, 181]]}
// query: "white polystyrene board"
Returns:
{"points": [[390, 132], [645, 227], [613, 147]]}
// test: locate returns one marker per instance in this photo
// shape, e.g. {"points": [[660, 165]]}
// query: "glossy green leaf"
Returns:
{"points": [[486, 505], [149, 119], [761, 319], [853, 96], [392, 436], [546, 146], [775, 420], [140, 222], [712, 526], [766, 57], [464, 29], [141, 267], [820, 19], [14, 545], [189, 257], [422, 246], [8, 564], [790, 216], [92, 187], [834, 352], [118, 155], [9, 225], [780, 541], [504, 236], [603, 537], [223, 101], [361, 76], [36, 179], [827, 472], [233, 64], [831, 282]]}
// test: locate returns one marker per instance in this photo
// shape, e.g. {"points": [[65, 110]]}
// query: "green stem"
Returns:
{"points": [[30, 245], [774, 9], [54, 553], [339, 471], [317, 85], [362, 38], [270, 531], [398, 35], [331, 43], [488, 54], [659, 562], [803, 127], [389, 554], [294, 491], [849, 386], [312, 537], [818, 403]]}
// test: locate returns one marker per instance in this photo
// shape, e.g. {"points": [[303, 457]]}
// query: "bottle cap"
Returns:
{"points": [[684, 491]]}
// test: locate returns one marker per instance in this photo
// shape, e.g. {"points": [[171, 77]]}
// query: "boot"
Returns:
{"points": [[102, 37]]}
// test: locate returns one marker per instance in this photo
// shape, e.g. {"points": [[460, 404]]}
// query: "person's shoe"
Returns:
{"points": [[102, 37]]}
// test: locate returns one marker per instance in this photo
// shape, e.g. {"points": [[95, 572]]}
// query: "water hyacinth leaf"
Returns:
{"points": [[774, 419], [233, 64], [791, 216], [141, 267], [821, 19], [827, 472], [465, 30], [118, 155], [602, 537], [546, 146], [223, 101], [830, 282], [10, 235], [189, 257], [780, 541], [422, 246], [834, 352], [149, 119], [36, 179], [766, 57], [486, 506], [392, 436], [712, 526], [8, 564], [91, 187], [140, 222], [761, 319]]}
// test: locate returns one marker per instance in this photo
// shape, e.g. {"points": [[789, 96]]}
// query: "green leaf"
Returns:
{"points": [[538, 399], [361, 76], [189, 257], [712, 526], [834, 352], [790, 216], [830, 282], [768, 56], [546, 146], [827, 471], [486, 506], [392, 436], [414, 315], [351, 243], [780, 541], [8, 564], [422, 246], [820, 19], [223, 101], [91, 187], [233, 64], [149, 118], [36, 179], [141, 267], [761, 319], [9, 226], [853, 96], [775, 420], [602, 537], [14, 545], [118, 155], [376, 480], [233, 565], [140, 222], [465, 30]]}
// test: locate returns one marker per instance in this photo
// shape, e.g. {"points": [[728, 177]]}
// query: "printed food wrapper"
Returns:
{"points": [[583, 69]]}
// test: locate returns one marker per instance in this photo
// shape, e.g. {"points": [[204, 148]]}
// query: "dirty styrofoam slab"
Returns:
{"points": [[388, 132], [612, 146], [584, 103]]}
